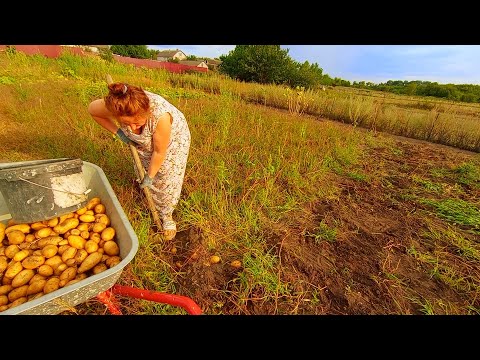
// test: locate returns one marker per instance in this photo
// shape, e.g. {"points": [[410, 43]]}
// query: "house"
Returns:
{"points": [[213, 63], [166, 55], [196, 63]]}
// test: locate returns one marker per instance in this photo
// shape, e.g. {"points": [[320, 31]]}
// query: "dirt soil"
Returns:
{"points": [[376, 227], [369, 267]]}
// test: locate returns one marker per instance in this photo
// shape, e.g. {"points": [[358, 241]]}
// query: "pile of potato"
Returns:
{"points": [[41, 257]]}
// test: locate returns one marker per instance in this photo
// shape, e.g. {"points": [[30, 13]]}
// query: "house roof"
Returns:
{"points": [[214, 62], [192, 62], [168, 53]]}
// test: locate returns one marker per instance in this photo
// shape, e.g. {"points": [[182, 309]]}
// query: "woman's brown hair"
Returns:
{"points": [[126, 100]]}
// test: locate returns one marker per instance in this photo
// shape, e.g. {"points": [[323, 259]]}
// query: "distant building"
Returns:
{"points": [[166, 55], [197, 63], [213, 63]]}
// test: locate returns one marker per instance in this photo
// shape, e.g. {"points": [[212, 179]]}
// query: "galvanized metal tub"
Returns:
{"points": [[77, 293]]}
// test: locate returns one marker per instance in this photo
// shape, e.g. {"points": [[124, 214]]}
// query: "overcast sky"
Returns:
{"points": [[456, 64]]}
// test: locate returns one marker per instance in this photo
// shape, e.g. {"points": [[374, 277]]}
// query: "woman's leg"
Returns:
{"points": [[167, 186]]}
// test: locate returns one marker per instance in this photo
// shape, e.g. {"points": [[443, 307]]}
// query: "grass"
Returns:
{"points": [[254, 172]]}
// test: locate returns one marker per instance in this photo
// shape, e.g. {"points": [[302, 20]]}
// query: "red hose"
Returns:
{"points": [[177, 300]]}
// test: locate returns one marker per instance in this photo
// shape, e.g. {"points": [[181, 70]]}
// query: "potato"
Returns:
{"points": [[71, 262], [99, 209], [38, 225], [80, 256], [43, 233], [38, 277], [87, 218], [45, 270], [98, 227], [69, 253], [108, 234], [63, 242], [83, 227], [2, 231], [60, 268], [37, 252], [3, 300], [22, 278], [81, 211], [62, 248], [49, 251], [93, 202], [22, 254], [35, 296], [17, 302], [112, 261], [18, 293], [6, 280], [76, 241], [91, 246], [81, 276], [74, 232], [215, 259], [89, 212], [36, 287], [72, 282], [15, 237], [33, 261], [68, 274], [62, 218], [11, 250], [111, 248], [24, 245], [49, 240], [29, 238], [2, 250], [95, 237], [99, 268], [3, 308], [54, 261], [53, 222], [102, 218], [85, 234], [90, 261], [24, 228], [3, 264], [52, 284], [5, 289], [68, 224], [13, 268]]}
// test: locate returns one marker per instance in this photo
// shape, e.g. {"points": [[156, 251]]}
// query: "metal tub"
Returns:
{"points": [[67, 297]]}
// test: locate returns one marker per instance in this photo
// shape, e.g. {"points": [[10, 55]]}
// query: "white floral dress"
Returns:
{"points": [[167, 183]]}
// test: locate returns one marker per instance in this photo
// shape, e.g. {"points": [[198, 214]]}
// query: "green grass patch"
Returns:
{"points": [[456, 211]]}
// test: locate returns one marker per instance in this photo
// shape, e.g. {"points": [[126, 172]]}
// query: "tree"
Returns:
{"points": [[134, 51], [258, 63]]}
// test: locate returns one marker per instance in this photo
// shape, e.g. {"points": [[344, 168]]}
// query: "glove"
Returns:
{"points": [[147, 182], [121, 135]]}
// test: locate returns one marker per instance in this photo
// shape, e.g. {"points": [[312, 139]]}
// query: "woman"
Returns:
{"points": [[161, 135]]}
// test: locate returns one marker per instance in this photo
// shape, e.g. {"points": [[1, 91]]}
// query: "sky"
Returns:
{"points": [[445, 64]]}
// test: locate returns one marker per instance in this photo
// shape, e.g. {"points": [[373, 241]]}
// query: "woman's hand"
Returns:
{"points": [[147, 182]]}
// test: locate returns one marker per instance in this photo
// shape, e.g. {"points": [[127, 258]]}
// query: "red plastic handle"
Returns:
{"points": [[176, 300]]}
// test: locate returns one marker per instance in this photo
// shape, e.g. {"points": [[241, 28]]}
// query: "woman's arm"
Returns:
{"points": [[161, 139], [102, 116]]}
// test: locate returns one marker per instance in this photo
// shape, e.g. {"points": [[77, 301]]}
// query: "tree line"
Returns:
{"points": [[270, 64]]}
